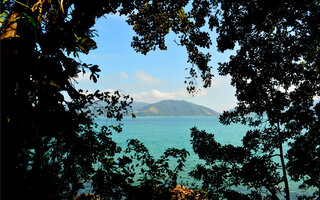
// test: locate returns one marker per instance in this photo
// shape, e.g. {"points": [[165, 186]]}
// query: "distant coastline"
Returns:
{"points": [[172, 108]]}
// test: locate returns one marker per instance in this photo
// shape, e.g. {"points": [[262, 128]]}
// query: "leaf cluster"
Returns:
{"points": [[233, 172], [275, 71], [138, 175], [52, 142]]}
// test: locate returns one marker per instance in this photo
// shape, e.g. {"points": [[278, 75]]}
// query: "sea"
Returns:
{"points": [[158, 133]]}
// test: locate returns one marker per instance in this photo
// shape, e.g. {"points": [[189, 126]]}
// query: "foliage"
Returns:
{"points": [[276, 75], [50, 142], [229, 170], [137, 175], [152, 178]]}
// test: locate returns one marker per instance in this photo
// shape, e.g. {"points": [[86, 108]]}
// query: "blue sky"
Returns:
{"points": [[157, 76]]}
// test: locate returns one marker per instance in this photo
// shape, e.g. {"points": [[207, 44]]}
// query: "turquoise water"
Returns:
{"points": [[160, 133]]}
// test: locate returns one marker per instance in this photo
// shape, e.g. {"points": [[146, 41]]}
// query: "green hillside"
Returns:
{"points": [[175, 108]]}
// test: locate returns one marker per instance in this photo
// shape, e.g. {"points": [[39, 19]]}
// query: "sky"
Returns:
{"points": [[150, 78]]}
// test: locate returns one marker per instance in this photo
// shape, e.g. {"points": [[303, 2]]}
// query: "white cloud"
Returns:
{"points": [[124, 75], [83, 77], [109, 90], [163, 95], [157, 95], [220, 81], [147, 78], [116, 16]]}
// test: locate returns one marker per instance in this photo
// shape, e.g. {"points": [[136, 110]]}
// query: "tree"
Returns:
{"points": [[276, 74], [49, 144], [153, 177]]}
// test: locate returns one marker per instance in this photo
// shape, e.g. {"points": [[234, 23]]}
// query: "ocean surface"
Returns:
{"points": [[160, 133]]}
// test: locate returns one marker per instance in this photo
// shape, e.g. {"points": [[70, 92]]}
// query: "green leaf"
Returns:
{"points": [[82, 48], [30, 19]]}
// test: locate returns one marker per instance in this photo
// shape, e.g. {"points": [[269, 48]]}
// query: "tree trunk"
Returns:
{"points": [[283, 166], [284, 171]]}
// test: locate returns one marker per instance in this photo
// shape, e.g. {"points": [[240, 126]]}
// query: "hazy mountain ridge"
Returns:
{"points": [[175, 108], [138, 105]]}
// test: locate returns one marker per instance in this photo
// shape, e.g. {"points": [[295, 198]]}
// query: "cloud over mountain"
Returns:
{"points": [[157, 95]]}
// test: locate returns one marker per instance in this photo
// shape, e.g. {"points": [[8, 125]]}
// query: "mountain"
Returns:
{"points": [[138, 105], [175, 108]]}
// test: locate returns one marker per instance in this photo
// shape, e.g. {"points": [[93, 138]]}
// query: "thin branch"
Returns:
{"points": [[22, 4]]}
